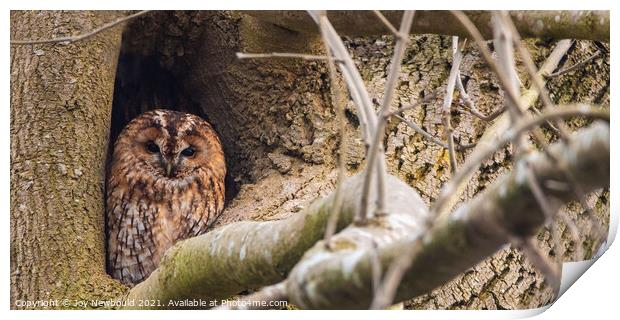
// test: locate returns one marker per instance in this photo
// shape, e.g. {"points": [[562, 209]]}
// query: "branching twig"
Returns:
{"points": [[502, 73], [402, 109], [544, 95], [248, 254], [463, 93], [576, 65], [447, 102], [537, 81], [507, 80], [477, 158], [376, 143], [504, 78], [432, 138], [71, 39], [492, 116], [502, 124], [357, 89], [502, 210], [533, 73], [386, 292]]}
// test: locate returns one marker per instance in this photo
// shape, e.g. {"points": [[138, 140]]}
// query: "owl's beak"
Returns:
{"points": [[169, 169]]}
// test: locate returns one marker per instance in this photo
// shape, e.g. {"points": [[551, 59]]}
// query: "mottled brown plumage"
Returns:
{"points": [[166, 183]]}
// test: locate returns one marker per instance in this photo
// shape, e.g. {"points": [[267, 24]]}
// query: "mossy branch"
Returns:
{"points": [[592, 25]]}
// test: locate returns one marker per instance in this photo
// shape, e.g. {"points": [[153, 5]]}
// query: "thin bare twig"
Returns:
{"points": [[351, 76], [504, 41], [505, 64], [492, 116], [541, 263], [379, 132], [375, 266], [396, 271], [533, 73], [402, 109], [71, 39], [537, 81], [339, 98], [447, 102], [504, 78], [463, 93], [576, 65], [538, 193], [501, 74], [386, 292], [386, 23], [244, 55], [432, 138], [470, 106], [421, 131], [508, 82]]}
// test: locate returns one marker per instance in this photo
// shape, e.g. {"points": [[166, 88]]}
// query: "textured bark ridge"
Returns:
{"points": [[278, 128]]}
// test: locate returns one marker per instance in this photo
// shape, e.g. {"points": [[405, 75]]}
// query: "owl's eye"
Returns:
{"points": [[152, 147], [188, 152]]}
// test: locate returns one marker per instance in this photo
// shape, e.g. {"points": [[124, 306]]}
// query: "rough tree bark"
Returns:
{"points": [[277, 125], [61, 99]]}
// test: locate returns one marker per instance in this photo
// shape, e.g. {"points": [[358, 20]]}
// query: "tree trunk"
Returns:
{"points": [[61, 100], [278, 127]]}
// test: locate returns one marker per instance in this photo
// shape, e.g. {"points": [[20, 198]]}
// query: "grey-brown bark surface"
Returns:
{"points": [[61, 98], [278, 128]]}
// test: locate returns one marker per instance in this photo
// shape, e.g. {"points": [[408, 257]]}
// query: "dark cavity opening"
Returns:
{"points": [[147, 79]]}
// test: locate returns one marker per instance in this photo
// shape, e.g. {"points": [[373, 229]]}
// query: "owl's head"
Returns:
{"points": [[170, 145]]}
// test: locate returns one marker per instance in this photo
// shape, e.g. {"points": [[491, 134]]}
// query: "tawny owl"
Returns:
{"points": [[166, 183]]}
